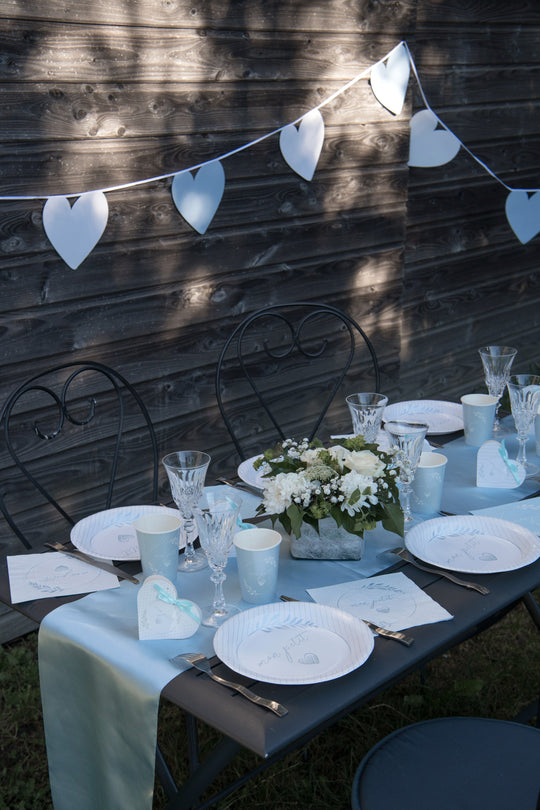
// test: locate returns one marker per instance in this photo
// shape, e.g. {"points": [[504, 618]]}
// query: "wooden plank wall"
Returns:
{"points": [[95, 94], [467, 279]]}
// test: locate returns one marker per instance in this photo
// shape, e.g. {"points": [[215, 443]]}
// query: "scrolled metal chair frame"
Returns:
{"points": [[121, 387], [277, 311]]}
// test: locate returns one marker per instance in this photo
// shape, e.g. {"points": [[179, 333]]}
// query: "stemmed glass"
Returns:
{"points": [[366, 412], [496, 361], [186, 470], [524, 390], [217, 521], [408, 440]]}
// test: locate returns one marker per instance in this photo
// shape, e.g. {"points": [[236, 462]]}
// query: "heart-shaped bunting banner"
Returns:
{"points": [[198, 197], [74, 231], [389, 81], [431, 146], [523, 214], [302, 146]]}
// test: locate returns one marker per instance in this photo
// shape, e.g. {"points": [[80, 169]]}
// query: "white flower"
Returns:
{"points": [[351, 482], [282, 490], [310, 456], [362, 461]]}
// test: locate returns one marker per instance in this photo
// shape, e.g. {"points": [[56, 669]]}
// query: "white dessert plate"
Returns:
{"points": [[441, 417], [473, 544], [109, 535], [293, 643], [252, 476]]}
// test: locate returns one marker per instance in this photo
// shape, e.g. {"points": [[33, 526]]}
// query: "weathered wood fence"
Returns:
{"points": [[96, 94]]}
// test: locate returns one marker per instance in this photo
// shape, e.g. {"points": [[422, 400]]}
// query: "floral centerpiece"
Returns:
{"points": [[353, 483]]}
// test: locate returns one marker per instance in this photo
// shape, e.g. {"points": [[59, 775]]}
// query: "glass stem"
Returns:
{"points": [[522, 455], [189, 552], [218, 578], [406, 499]]}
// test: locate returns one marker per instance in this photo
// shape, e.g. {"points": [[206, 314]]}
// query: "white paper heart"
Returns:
{"points": [[493, 471], [74, 231], [301, 147], [523, 214], [430, 146], [389, 81], [198, 197], [159, 618]]}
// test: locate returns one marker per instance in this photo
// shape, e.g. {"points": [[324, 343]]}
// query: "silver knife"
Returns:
{"points": [[381, 631], [80, 555]]}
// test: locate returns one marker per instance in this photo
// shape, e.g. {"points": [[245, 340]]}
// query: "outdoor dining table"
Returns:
{"points": [[313, 707]]}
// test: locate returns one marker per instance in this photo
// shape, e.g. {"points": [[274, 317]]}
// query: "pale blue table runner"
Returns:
{"points": [[101, 685]]}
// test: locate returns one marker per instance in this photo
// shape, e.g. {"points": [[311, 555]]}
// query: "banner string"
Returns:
{"points": [[244, 147]]}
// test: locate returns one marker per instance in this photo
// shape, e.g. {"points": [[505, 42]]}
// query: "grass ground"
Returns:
{"points": [[495, 674]]}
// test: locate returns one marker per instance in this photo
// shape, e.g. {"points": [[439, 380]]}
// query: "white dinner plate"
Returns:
{"points": [[250, 475], [441, 417], [293, 643], [109, 535], [473, 544]]}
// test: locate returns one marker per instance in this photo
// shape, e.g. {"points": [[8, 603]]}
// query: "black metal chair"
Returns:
{"points": [[281, 368], [452, 763], [79, 430]]}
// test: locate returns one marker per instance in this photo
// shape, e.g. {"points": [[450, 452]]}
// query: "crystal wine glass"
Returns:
{"points": [[216, 519], [186, 470], [408, 440], [366, 412], [524, 390], [496, 361]]}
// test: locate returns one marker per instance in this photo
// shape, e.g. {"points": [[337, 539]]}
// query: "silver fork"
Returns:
{"points": [[408, 557], [200, 662]]}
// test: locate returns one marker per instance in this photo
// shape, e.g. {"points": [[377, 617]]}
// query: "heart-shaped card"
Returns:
{"points": [[431, 146], [494, 468], [389, 81], [301, 146], [74, 230], [161, 614]]}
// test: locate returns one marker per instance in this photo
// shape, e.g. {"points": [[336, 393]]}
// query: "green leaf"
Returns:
{"points": [[393, 519], [295, 515]]}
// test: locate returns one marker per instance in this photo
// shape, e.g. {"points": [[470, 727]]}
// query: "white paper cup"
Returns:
{"points": [[478, 417], [158, 535], [427, 486], [257, 555]]}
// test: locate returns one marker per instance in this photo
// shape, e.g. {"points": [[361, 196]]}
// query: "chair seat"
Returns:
{"points": [[455, 763]]}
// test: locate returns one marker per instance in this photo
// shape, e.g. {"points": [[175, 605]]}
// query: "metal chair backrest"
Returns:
{"points": [[77, 430], [298, 352]]}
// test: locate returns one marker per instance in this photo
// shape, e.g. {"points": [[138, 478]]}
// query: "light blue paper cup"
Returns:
{"points": [[257, 556], [427, 486], [158, 535], [478, 417]]}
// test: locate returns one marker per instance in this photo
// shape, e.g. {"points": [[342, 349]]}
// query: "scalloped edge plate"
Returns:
{"points": [[293, 643]]}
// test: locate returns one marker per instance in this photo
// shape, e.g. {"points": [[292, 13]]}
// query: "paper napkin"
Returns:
{"points": [[38, 576], [392, 601]]}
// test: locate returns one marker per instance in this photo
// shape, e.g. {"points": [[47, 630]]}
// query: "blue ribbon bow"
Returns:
{"points": [[512, 466], [183, 604]]}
